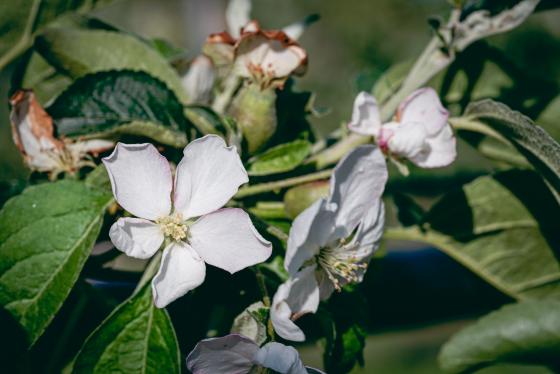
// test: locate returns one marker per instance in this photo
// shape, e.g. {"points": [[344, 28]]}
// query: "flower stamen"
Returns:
{"points": [[174, 227], [339, 267]]}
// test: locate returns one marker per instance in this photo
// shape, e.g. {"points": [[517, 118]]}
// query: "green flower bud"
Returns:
{"points": [[299, 198], [255, 113]]}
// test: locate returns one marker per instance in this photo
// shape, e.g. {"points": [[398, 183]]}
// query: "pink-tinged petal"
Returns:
{"points": [[227, 239], [141, 180], [440, 151], [310, 231], [423, 106], [238, 14], [365, 115], [137, 237], [358, 182], [281, 358], [207, 177], [294, 298], [408, 139], [199, 80], [181, 270], [230, 354]]}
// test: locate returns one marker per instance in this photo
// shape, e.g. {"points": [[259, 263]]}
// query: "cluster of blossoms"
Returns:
{"points": [[181, 210], [264, 57]]}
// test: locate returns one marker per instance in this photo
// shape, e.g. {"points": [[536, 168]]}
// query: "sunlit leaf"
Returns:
{"points": [[524, 333], [136, 338], [46, 235], [280, 159], [78, 52]]}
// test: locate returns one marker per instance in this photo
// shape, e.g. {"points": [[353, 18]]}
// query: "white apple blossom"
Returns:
{"points": [[238, 354], [209, 174], [238, 14], [419, 132], [331, 242], [33, 134], [199, 80], [268, 56]]}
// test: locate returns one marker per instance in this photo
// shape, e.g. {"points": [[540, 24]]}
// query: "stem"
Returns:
{"points": [[277, 185], [222, 101], [262, 286], [149, 272], [464, 123], [334, 153]]}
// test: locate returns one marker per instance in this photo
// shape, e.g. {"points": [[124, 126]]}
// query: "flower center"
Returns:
{"points": [[339, 266], [174, 227]]}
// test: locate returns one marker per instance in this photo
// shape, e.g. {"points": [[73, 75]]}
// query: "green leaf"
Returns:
{"points": [[136, 338], [540, 149], [205, 119], [389, 83], [120, 102], [408, 211], [280, 159], [523, 333], [252, 323], [43, 79], [501, 227], [19, 22], [346, 336], [46, 234], [79, 52]]}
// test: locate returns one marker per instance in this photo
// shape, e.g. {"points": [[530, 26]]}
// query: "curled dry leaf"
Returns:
{"points": [[33, 134]]}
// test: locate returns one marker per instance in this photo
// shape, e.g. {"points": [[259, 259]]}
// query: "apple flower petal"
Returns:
{"points": [[141, 180], [181, 270], [280, 358], [238, 14], [296, 29], [137, 237], [228, 354], [366, 119], [407, 139], [441, 150], [295, 297], [227, 239], [207, 177], [310, 231], [423, 106], [357, 182], [199, 80], [268, 55]]}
